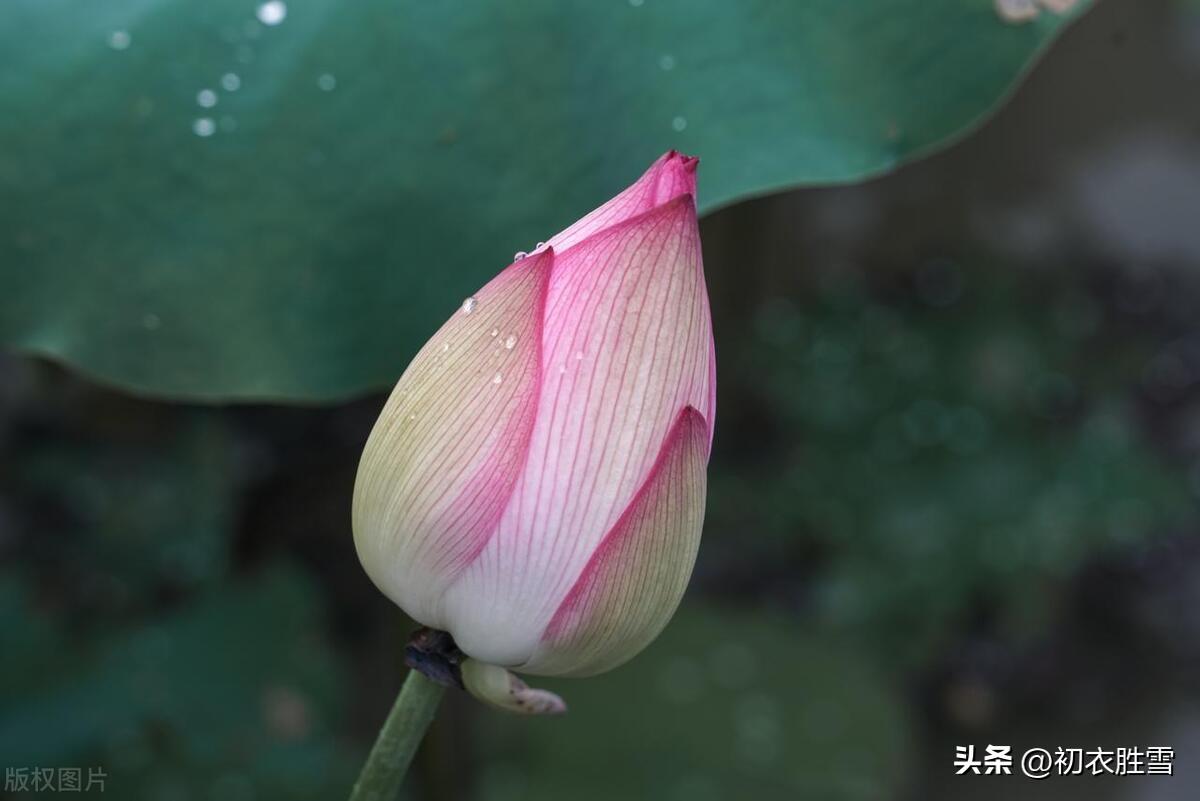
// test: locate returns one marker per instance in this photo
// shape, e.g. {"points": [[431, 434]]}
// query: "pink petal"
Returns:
{"points": [[449, 446], [634, 580], [627, 344], [671, 176]]}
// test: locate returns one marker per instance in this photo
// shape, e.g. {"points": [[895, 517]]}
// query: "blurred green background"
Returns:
{"points": [[953, 498]]}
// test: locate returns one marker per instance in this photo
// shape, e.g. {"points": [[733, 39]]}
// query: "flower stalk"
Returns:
{"points": [[398, 739]]}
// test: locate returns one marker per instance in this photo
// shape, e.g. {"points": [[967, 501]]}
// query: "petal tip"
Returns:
{"points": [[691, 416], [691, 423]]}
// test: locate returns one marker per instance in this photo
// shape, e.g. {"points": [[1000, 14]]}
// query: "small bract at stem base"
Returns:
{"points": [[498, 687], [398, 739], [435, 654]]}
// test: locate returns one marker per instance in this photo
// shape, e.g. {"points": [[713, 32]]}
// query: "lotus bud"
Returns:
{"points": [[535, 483]]}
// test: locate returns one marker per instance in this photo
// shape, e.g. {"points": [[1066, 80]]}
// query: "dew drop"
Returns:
{"points": [[539, 246], [679, 123], [497, 378], [445, 347], [1017, 11], [326, 82], [272, 13], [494, 331], [510, 342], [230, 82], [520, 254], [119, 40], [204, 126], [206, 98], [469, 305]]}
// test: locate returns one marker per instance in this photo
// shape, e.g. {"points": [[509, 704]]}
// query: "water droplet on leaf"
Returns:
{"points": [[272, 13], [1017, 11], [204, 126]]}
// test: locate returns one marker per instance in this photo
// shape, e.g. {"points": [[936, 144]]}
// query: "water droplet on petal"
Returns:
{"points": [[679, 123], [326, 82], [510, 342], [520, 254], [272, 13], [445, 347], [204, 126], [230, 82], [206, 98], [497, 378], [469, 305], [494, 331], [119, 40], [540, 245]]}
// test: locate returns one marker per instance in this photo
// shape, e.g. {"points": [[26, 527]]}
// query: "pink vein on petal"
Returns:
{"points": [[548, 531], [671, 175], [485, 480], [664, 517]]}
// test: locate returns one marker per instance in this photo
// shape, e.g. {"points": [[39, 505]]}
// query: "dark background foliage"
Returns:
{"points": [[952, 501]]}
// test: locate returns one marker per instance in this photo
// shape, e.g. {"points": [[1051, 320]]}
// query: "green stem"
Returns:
{"points": [[398, 739]]}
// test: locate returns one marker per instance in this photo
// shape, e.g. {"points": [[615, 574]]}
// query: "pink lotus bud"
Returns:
{"points": [[535, 484]]}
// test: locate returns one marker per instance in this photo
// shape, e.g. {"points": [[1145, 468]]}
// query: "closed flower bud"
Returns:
{"points": [[535, 483]]}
